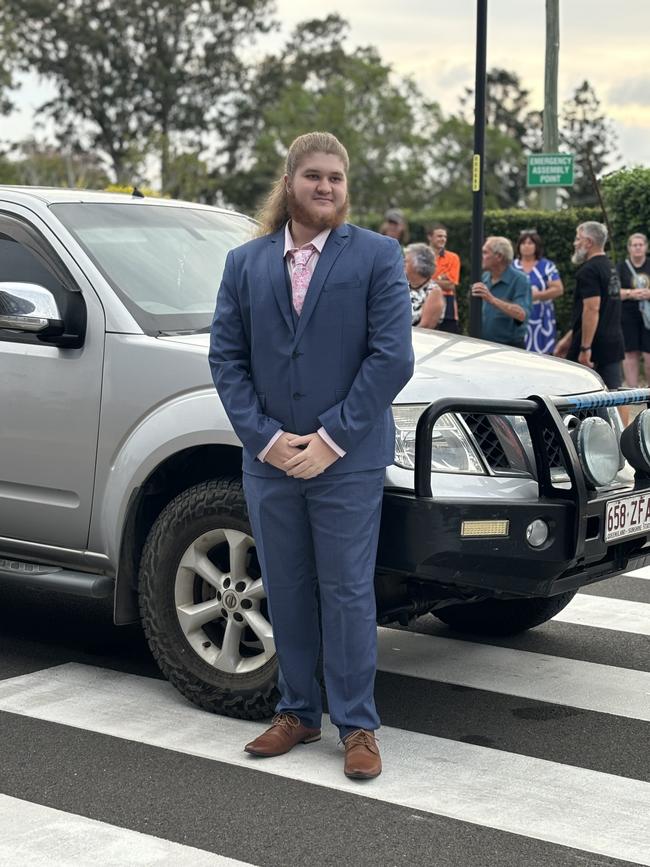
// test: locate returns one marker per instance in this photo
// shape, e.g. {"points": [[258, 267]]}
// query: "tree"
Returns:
{"points": [[627, 198], [189, 178], [507, 130], [585, 132], [454, 145], [132, 73], [7, 47], [506, 103], [39, 164], [315, 83]]}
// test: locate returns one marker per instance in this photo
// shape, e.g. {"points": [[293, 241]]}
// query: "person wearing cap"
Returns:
{"points": [[395, 226]]}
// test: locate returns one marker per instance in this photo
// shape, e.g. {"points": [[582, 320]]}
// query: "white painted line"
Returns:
{"points": [[587, 810], [587, 685], [604, 613], [644, 572], [45, 837]]}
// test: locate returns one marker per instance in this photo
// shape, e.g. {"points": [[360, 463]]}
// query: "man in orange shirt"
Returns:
{"points": [[446, 275]]}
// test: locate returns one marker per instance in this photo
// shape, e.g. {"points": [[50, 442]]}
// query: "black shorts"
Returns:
{"points": [[635, 335], [611, 374], [449, 325]]}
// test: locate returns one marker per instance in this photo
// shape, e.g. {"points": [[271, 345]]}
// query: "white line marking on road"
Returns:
{"points": [[583, 809], [572, 682], [44, 837], [644, 572], [604, 613]]}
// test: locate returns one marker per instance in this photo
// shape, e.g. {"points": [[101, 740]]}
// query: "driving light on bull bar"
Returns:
{"points": [[635, 442], [537, 532], [477, 529], [451, 451], [597, 449]]}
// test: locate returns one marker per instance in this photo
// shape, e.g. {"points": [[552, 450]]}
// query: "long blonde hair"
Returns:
{"points": [[274, 212]]}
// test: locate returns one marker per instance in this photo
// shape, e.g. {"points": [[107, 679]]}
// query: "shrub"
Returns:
{"points": [[627, 199]]}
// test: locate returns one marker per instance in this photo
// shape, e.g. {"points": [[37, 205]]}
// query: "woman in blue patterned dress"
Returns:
{"points": [[545, 283]]}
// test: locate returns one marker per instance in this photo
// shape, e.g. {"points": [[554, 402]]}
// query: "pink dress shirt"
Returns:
{"points": [[318, 242]]}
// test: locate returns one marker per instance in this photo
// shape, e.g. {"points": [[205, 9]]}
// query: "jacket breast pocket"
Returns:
{"points": [[348, 286], [261, 397]]}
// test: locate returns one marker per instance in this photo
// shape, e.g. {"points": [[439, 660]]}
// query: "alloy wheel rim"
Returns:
{"points": [[220, 605]]}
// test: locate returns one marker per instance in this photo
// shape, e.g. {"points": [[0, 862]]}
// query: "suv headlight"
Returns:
{"points": [[452, 451]]}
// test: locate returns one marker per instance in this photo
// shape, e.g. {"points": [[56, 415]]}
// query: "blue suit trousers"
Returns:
{"points": [[318, 538]]}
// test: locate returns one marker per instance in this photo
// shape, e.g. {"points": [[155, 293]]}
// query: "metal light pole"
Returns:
{"points": [[548, 195], [478, 164]]}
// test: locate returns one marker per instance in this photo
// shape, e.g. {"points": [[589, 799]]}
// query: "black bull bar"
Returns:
{"points": [[542, 414]]}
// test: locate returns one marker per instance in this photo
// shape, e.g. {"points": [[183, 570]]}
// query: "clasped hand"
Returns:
{"points": [[301, 457]]}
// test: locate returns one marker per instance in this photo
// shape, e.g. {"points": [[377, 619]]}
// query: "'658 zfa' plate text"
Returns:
{"points": [[627, 516]]}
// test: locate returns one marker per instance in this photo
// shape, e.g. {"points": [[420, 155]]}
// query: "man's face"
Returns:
{"points": [[438, 239], [581, 248], [318, 192], [490, 260], [638, 249]]}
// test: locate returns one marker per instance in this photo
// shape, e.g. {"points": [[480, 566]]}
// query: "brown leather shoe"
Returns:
{"points": [[284, 734], [362, 759]]}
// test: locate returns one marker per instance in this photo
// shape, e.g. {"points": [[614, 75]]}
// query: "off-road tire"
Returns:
{"points": [[218, 503], [503, 616]]}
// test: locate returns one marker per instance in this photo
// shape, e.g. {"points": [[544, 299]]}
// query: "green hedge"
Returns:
{"points": [[557, 229], [627, 198]]}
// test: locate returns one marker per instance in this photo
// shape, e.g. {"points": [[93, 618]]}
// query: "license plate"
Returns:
{"points": [[627, 517]]}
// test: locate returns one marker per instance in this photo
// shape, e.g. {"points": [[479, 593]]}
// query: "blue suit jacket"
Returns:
{"points": [[339, 365]]}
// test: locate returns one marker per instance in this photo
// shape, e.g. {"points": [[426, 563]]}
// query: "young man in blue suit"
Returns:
{"points": [[311, 342]]}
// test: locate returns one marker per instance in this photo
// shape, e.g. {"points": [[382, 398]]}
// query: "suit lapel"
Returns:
{"points": [[334, 245], [277, 272]]}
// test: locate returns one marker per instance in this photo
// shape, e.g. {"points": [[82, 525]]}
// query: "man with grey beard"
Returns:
{"points": [[596, 336]]}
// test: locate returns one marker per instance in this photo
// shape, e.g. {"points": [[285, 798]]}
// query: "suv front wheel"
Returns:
{"points": [[203, 605], [503, 616]]}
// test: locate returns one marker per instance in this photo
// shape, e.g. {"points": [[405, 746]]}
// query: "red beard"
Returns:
{"points": [[312, 217]]}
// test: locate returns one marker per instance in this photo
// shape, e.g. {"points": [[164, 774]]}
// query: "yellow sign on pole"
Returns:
{"points": [[476, 173]]}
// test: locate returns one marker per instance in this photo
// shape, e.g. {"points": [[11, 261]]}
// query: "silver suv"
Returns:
{"points": [[120, 474]]}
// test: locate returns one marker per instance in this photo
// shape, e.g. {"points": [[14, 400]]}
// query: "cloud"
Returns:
{"points": [[630, 91], [455, 76], [633, 140]]}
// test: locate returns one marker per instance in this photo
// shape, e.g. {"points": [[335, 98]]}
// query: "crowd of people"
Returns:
{"points": [[610, 320]]}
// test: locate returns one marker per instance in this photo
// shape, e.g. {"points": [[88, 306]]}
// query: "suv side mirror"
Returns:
{"points": [[31, 309]]}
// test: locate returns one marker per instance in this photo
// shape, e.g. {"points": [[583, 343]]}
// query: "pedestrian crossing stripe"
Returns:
{"points": [[640, 573], [63, 839], [601, 612], [570, 682], [583, 809]]}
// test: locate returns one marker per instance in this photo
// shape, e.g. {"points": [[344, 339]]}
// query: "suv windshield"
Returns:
{"points": [[164, 262]]}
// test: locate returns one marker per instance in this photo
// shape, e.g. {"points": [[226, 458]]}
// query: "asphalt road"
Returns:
{"points": [[525, 751]]}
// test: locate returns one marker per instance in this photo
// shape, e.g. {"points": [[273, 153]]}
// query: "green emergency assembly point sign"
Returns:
{"points": [[550, 170]]}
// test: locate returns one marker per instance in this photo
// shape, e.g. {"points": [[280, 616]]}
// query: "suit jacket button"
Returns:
{"points": [[296, 354], [296, 395]]}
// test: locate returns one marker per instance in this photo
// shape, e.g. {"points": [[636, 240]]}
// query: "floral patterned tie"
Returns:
{"points": [[300, 275]]}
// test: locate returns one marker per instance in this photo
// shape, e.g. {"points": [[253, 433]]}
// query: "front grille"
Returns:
{"points": [[553, 448], [490, 444], [487, 440]]}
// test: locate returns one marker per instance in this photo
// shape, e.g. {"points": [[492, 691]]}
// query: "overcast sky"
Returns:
{"points": [[433, 41]]}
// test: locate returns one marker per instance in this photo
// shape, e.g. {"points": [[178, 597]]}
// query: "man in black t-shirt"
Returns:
{"points": [[634, 275], [596, 337]]}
